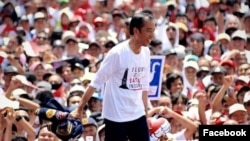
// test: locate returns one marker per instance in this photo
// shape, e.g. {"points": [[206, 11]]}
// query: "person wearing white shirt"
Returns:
{"points": [[125, 71]]}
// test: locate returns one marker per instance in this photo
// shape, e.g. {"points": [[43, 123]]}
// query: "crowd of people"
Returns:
{"points": [[53, 52]]}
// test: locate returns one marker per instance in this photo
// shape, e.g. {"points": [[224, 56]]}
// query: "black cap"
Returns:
{"points": [[58, 43], [78, 65], [218, 70], [155, 43], [94, 44], [109, 44]]}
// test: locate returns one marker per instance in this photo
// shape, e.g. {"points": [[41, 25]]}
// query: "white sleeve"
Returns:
{"points": [[146, 78], [108, 67]]}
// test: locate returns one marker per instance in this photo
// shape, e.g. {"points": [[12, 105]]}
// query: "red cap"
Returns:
{"points": [[229, 63]]}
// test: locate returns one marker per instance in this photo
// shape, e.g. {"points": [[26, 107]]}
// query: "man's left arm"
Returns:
{"points": [[145, 102]]}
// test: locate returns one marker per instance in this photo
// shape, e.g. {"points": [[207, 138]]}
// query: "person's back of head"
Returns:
{"points": [[44, 96]]}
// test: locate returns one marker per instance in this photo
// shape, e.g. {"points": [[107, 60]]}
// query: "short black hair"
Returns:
{"points": [[137, 21], [44, 96], [174, 98], [210, 18], [171, 78]]}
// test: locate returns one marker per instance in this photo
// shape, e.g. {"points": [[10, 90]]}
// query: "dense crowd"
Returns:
{"points": [[50, 51]]}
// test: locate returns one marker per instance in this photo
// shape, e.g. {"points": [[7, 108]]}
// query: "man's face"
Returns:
{"points": [[182, 19], [190, 73], [230, 69], [238, 43], [218, 78], [74, 100], [242, 69], [171, 33], [239, 116], [67, 73], [90, 130], [40, 23], [41, 39], [211, 24], [94, 50], [171, 60], [146, 33], [197, 46], [165, 101], [95, 105], [72, 48], [176, 86], [7, 77]]}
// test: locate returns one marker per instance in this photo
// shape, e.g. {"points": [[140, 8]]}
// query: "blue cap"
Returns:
{"points": [[63, 126], [97, 96]]}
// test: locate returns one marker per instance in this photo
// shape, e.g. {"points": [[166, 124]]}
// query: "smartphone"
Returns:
{"points": [[89, 138]]}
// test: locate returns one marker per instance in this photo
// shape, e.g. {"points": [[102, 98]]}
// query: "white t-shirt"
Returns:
{"points": [[126, 75]]}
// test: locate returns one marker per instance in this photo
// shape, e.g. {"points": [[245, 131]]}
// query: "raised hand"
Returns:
{"points": [[166, 112], [9, 116], [77, 113], [228, 80]]}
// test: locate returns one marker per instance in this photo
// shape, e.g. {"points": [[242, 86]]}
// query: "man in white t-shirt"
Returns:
{"points": [[125, 71]]}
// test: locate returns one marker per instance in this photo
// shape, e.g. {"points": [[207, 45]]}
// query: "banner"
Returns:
{"points": [[156, 71]]}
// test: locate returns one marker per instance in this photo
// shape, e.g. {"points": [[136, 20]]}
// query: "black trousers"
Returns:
{"points": [[136, 130]]}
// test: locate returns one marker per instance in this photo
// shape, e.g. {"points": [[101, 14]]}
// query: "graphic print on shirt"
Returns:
{"points": [[124, 80], [132, 78]]}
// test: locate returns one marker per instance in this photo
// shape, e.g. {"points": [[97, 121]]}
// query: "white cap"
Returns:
{"points": [[17, 92], [222, 36], [88, 76], [5, 102], [77, 88], [240, 34], [24, 81], [68, 35], [236, 107], [246, 97], [171, 2], [243, 78], [39, 15], [192, 64]]}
